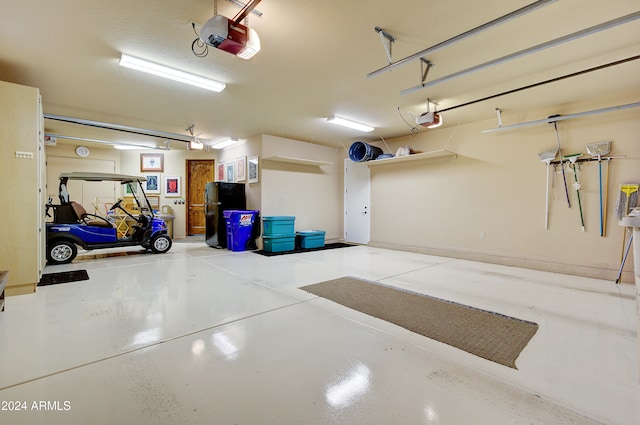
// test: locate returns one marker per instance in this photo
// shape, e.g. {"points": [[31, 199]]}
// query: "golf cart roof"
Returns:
{"points": [[98, 177]]}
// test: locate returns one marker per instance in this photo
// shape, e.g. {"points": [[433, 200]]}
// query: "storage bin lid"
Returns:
{"points": [[279, 217], [280, 236], [311, 232]]}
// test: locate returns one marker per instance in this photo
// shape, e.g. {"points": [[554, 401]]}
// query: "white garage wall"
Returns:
{"points": [[313, 194], [496, 189]]}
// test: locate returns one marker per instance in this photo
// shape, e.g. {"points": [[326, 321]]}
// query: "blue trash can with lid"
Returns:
{"points": [[239, 228]]}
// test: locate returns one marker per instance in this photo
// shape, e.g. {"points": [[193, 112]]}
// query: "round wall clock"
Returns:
{"points": [[82, 151]]}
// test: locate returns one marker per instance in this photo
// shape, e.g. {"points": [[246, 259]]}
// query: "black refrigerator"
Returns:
{"points": [[220, 197]]}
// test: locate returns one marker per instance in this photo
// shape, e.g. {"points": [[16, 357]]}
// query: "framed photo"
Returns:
{"points": [[130, 189], [220, 172], [241, 168], [154, 201], [152, 162], [152, 185], [253, 169], [230, 172], [172, 187]]}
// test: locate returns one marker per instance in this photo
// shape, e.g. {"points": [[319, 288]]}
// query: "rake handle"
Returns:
{"points": [[601, 204], [606, 200], [624, 258], [575, 175], [546, 203], [564, 176]]}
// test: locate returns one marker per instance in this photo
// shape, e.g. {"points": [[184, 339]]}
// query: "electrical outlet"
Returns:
{"points": [[481, 235], [24, 155]]}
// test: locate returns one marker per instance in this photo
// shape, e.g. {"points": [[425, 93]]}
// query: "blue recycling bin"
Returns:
{"points": [[239, 228]]}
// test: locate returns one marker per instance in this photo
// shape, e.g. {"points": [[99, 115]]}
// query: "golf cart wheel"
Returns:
{"points": [[160, 244], [61, 252]]}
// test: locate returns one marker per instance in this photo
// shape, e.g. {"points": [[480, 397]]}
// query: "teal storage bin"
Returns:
{"points": [[279, 243], [278, 225], [311, 238]]}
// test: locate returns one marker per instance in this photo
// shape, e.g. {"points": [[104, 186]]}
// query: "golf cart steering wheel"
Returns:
{"points": [[86, 217], [116, 205]]}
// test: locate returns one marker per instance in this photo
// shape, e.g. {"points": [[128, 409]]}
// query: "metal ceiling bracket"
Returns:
{"points": [[535, 49], [425, 66], [555, 118], [245, 10], [499, 112], [118, 127], [242, 5], [387, 41], [515, 14]]}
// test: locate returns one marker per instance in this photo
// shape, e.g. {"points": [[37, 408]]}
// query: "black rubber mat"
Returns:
{"points": [[299, 250], [63, 277]]}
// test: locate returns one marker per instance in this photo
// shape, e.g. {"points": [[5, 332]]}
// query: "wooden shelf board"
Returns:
{"points": [[299, 161], [440, 154]]}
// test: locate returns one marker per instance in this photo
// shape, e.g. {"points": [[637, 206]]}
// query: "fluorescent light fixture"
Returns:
{"points": [[224, 143], [350, 124], [196, 145], [170, 73]]}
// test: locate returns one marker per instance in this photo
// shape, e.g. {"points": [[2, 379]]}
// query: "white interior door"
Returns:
{"points": [[356, 202]]}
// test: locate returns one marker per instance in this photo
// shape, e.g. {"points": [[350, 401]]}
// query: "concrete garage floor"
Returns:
{"points": [[200, 335]]}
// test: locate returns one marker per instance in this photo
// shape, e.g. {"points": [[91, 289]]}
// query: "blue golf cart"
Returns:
{"points": [[73, 226]]}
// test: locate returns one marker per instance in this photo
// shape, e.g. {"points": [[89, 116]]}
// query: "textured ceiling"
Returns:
{"points": [[314, 63]]}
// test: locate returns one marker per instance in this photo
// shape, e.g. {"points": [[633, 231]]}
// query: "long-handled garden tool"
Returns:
{"points": [[572, 159], [564, 177], [627, 199], [598, 150], [624, 257], [606, 199], [546, 157]]}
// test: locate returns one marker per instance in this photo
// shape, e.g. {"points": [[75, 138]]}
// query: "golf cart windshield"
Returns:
{"points": [[134, 184]]}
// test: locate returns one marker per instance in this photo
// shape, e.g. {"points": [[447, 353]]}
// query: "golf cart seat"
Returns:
{"points": [[89, 219]]}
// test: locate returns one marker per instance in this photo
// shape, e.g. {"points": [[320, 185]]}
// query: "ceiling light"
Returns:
{"points": [[170, 73], [195, 145], [224, 143], [350, 124]]}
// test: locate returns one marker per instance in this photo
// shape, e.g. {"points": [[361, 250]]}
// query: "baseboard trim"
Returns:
{"points": [[605, 272]]}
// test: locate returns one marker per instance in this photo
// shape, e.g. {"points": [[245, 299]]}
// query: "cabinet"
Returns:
{"points": [[22, 185]]}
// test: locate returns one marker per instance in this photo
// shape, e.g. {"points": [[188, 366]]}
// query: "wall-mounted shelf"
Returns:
{"points": [[440, 154], [299, 161]]}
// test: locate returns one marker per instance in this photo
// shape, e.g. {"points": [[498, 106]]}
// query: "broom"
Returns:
{"points": [[546, 157], [598, 150]]}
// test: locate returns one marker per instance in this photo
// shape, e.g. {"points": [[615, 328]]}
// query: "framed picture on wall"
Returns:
{"points": [[172, 187], [220, 172], [230, 172], [130, 189], [152, 185], [154, 201], [241, 168], [151, 162], [253, 169]]}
